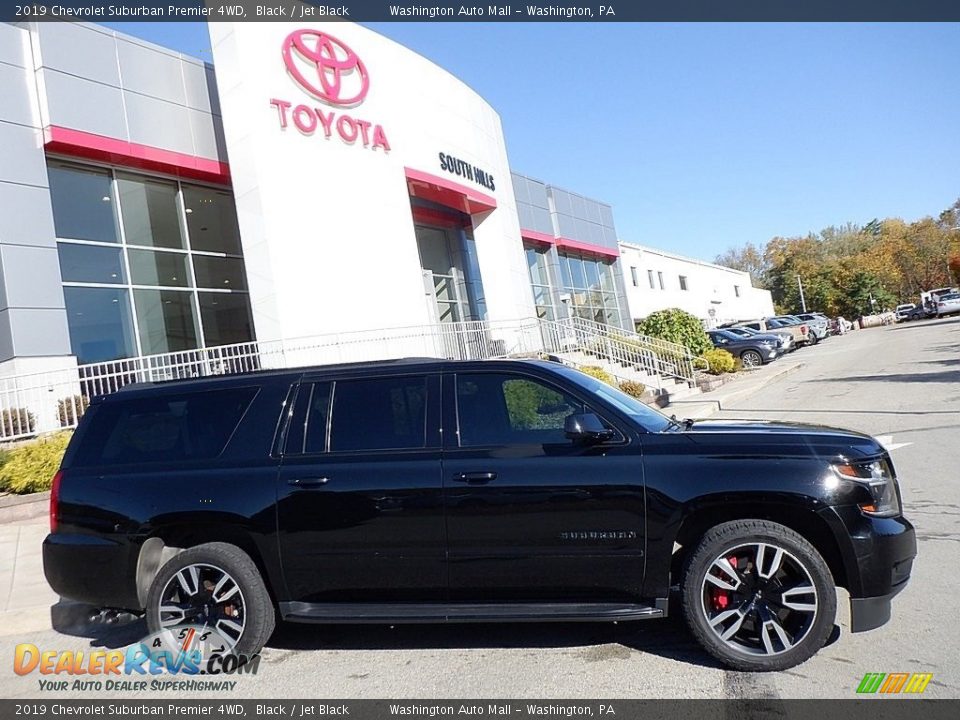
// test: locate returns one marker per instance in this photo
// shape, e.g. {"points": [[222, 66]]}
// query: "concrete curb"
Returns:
{"points": [[15, 508], [703, 406]]}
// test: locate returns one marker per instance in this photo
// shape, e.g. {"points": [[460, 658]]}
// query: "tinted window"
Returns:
{"points": [[83, 203], [163, 428], [310, 432], [100, 322], [90, 263], [499, 409], [379, 414]]}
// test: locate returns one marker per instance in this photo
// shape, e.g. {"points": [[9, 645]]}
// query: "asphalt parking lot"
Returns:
{"points": [[900, 383]]}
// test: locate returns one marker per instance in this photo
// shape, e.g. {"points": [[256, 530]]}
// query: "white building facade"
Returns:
{"points": [[657, 280]]}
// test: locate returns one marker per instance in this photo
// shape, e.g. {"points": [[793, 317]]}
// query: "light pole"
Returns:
{"points": [[802, 301]]}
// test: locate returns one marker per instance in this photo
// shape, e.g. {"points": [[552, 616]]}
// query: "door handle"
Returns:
{"points": [[475, 478], [308, 482]]}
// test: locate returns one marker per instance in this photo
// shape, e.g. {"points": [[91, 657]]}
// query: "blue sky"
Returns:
{"points": [[707, 136]]}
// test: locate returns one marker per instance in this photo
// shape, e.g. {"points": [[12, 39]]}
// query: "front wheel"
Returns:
{"points": [[757, 596], [751, 358], [813, 338], [217, 586]]}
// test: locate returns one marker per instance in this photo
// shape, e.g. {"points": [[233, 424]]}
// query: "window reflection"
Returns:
{"points": [[220, 273], [167, 321], [100, 322], [149, 210], [167, 269], [91, 263], [211, 220], [82, 200]]}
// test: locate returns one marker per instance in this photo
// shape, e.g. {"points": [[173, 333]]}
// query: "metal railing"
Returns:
{"points": [[657, 358], [54, 400]]}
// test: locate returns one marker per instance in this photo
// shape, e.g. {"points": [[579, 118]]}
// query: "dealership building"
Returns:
{"points": [[323, 180]]}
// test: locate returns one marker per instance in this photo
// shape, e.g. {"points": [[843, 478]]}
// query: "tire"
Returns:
{"points": [[751, 358], [754, 642], [813, 338], [254, 613]]}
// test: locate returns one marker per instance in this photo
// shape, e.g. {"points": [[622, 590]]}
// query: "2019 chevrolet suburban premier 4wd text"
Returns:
{"points": [[431, 490]]}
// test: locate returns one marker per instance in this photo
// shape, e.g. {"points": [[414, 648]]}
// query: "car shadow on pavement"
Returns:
{"points": [[73, 618], [668, 638], [942, 376]]}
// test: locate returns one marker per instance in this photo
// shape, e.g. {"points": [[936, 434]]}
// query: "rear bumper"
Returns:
{"points": [[91, 569]]}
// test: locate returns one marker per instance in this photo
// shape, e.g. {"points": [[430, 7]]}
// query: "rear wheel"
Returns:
{"points": [[813, 338], [751, 358], [214, 585], [757, 596]]}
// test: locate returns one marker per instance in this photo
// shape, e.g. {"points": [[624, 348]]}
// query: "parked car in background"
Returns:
{"points": [[922, 312], [818, 322], [814, 334], [948, 304], [903, 311], [784, 336], [752, 351], [800, 331]]}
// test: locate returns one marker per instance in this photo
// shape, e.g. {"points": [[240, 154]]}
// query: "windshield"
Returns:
{"points": [[646, 416]]}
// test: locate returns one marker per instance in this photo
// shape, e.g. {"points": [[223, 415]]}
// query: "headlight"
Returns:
{"points": [[878, 478]]}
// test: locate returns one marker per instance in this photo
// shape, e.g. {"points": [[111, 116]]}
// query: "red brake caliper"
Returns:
{"points": [[719, 597]]}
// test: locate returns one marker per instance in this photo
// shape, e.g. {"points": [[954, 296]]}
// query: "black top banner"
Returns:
{"points": [[529, 11]]}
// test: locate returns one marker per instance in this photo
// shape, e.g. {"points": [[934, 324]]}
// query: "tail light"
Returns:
{"points": [[803, 329], [55, 501]]}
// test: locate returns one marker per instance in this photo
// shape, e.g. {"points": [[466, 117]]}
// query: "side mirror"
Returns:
{"points": [[586, 428]]}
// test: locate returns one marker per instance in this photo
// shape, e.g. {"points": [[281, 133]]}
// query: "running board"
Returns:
{"points": [[440, 612]]}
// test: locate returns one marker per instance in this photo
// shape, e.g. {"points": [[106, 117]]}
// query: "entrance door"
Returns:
{"points": [[442, 276]]}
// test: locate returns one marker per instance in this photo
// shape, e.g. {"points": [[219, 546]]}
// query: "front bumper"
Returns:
{"points": [[878, 556]]}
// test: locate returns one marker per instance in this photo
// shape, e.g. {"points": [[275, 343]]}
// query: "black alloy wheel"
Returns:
{"points": [[758, 596]]}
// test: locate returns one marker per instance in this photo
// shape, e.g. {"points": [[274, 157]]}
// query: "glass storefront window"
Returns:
{"points": [[167, 321], [226, 318], [211, 220], [91, 263], [219, 273], [83, 203], [167, 226], [166, 269], [593, 274], [565, 277], [576, 272], [150, 213], [100, 322]]}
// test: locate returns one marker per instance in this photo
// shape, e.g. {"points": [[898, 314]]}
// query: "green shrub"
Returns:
{"points": [[677, 326], [30, 468], [17, 421], [69, 409], [599, 373], [633, 388], [718, 361]]}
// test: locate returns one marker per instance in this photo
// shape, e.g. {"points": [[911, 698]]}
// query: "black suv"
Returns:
{"points": [[431, 490]]}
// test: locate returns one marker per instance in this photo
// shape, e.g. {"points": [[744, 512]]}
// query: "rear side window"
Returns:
{"points": [[379, 414], [163, 428]]}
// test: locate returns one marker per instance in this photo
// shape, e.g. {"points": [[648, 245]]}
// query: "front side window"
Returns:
{"points": [[379, 414], [500, 409]]}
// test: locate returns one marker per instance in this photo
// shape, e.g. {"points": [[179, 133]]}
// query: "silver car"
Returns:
{"points": [[948, 304]]}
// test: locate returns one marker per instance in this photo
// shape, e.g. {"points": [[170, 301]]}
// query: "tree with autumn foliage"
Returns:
{"points": [[854, 270]]}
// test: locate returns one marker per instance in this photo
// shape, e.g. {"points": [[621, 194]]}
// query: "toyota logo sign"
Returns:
{"points": [[325, 67]]}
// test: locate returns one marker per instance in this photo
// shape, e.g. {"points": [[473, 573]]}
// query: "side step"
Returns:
{"points": [[396, 613]]}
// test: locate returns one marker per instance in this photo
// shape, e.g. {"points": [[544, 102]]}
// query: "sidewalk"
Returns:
{"points": [[705, 405], [25, 597]]}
